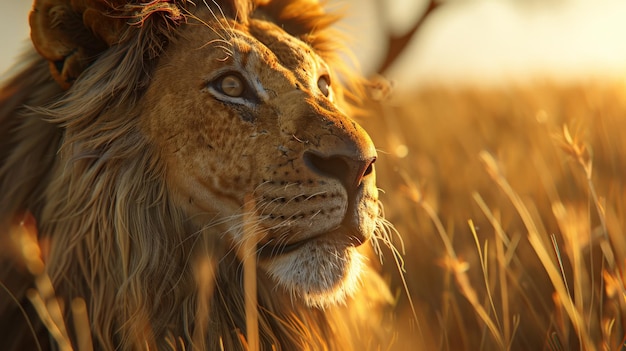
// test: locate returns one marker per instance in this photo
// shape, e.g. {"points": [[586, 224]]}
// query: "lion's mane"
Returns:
{"points": [[77, 161]]}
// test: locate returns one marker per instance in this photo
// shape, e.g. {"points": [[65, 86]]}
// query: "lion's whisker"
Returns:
{"points": [[227, 30], [280, 245], [223, 44], [293, 198], [218, 33], [265, 204], [316, 194], [383, 232], [260, 248], [315, 214], [229, 53], [265, 182]]}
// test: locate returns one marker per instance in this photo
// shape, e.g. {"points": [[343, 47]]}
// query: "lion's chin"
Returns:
{"points": [[320, 273]]}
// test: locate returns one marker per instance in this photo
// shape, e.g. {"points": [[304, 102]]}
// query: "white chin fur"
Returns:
{"points": [[321, 274]]}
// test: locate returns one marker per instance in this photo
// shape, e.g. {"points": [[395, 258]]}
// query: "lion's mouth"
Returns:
{"points": [[340, 234]]}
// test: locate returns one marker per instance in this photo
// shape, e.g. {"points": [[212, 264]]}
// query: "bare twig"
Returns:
{"points": [[397, 43]]}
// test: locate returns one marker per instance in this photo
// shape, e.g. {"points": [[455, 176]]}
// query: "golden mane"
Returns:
{"points": [[77, 161]]}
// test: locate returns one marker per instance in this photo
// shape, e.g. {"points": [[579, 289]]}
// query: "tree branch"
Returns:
{"points": [[397, 44]]}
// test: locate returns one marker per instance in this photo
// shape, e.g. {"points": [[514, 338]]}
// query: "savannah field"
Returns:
{"points": [[510, 203], [509, 209]]}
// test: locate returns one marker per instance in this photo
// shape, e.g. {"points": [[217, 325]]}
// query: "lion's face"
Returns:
{"points": [[242, 113]]}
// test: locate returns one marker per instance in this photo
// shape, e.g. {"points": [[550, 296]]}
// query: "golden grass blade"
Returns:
{"points": [[44, 314], [583, 157], [504, 292], [53, 304], [205, 279], [249, 276], [492, 219], [537, 244], [485, 268], [459, 269], [503, 259], [81, 325]]}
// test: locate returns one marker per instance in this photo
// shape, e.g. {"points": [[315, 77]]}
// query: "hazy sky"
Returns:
{"points": [[494, 41], [483, 41], [13, 29]]}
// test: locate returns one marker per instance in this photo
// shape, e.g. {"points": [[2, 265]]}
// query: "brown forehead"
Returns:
{"points": [[291, 52]]}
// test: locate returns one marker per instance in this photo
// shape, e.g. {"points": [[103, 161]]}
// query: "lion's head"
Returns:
{"points": [[251, 110], [179, 143]]}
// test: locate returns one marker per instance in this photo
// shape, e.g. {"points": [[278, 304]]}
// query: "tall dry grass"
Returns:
{"points": [[511, 205]]}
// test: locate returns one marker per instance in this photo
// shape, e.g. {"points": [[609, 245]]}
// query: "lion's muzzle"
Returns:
{"points": [[351, 170]]}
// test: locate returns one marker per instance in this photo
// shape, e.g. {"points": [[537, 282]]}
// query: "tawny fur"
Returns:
{"points": [[96, 174]]}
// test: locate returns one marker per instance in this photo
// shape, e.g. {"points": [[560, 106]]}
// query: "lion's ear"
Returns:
{"points": [[70, 34], [59, 35]]}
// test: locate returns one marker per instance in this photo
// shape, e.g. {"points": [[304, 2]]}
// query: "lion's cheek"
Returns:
{"points": [[204, 184]]}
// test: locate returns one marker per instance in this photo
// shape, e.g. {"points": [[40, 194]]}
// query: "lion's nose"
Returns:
{"points": [[349, 170]]}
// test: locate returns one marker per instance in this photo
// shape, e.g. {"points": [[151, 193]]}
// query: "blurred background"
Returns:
{"points": [[462, 41], [492, 41]]}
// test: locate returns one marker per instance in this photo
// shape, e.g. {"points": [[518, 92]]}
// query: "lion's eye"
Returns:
{"points": [[232, 85], [233, 88], [323, 83]]}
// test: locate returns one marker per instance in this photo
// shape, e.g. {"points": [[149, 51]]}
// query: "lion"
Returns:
{"points": [[166, 157]]}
